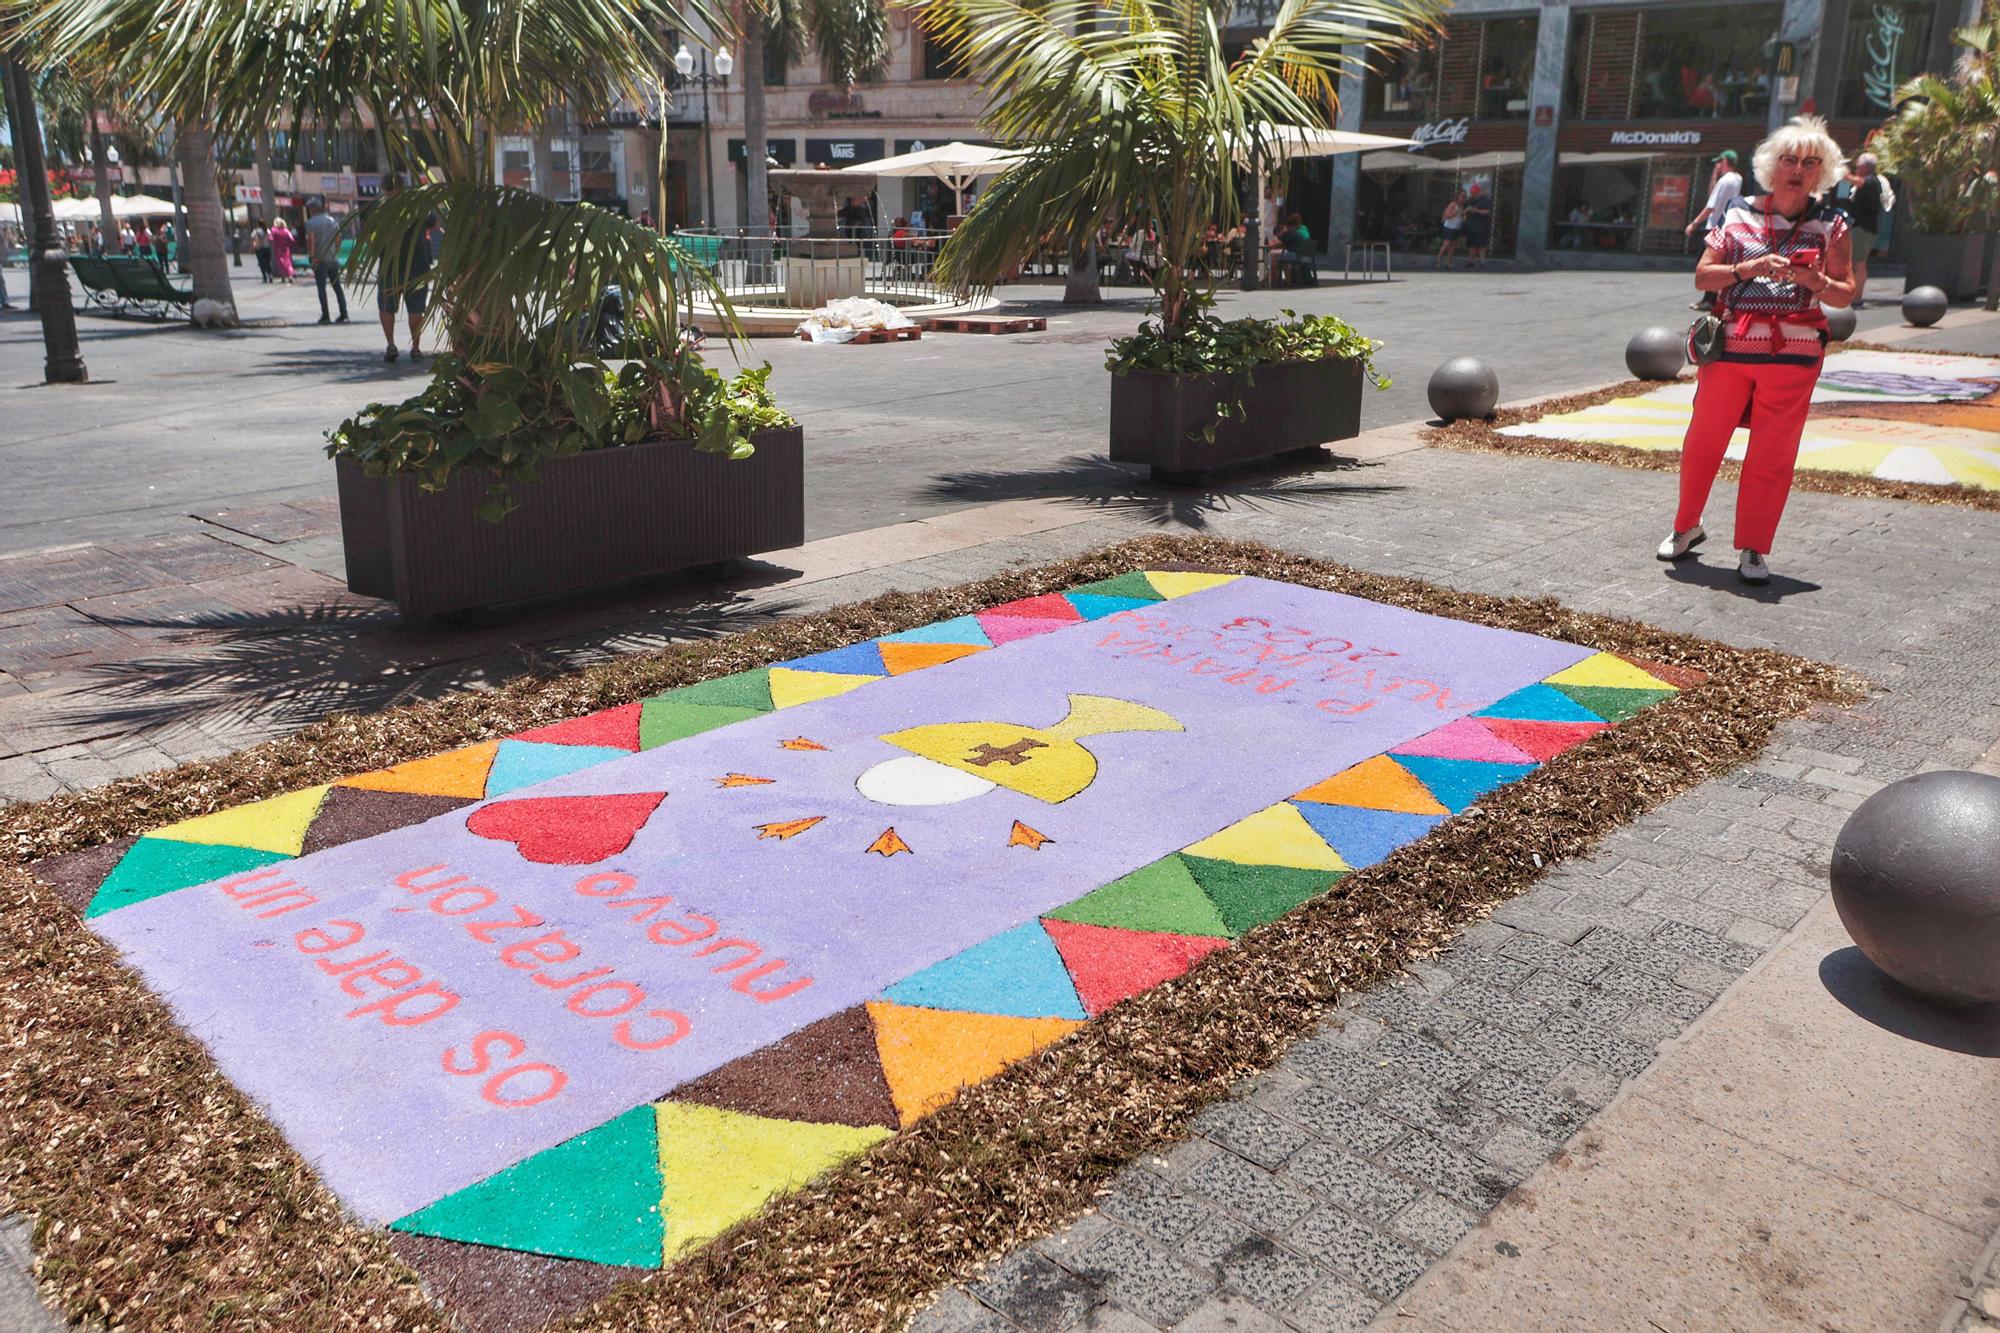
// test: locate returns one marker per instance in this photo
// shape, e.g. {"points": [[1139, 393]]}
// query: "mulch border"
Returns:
{"points": [[1484, 437], [164, 1199]]}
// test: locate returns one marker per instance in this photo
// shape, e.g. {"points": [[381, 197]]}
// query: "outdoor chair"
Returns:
{"points": [[145, 287], [1294, 268], [100, 284]]}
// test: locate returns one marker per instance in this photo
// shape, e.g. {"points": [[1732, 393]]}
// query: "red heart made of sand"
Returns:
{"points": [[566, 830]]}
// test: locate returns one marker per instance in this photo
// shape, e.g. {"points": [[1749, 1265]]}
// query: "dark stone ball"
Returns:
{"points": [[1839, 323], [1464, 387], [1916, 879], [1925, 306], [1657, 353]]}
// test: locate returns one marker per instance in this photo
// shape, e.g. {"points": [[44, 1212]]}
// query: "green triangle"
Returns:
{"points": [[160, 865], [1251, 895], [595, 1197], [745, 689], [1613, 705], [1160, 896], [660, 721], [1134, 584]]}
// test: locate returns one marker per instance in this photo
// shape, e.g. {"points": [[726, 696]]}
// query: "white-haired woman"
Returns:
{"points": [[1776, 259]]}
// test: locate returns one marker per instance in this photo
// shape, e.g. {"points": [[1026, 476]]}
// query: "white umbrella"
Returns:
{"points": [[1285, 142], [1393, 160], [140, 206], [75, 210], [956, 164], [10, 213]]}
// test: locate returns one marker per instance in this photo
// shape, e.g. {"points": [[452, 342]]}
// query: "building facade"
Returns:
{"points": [[1591, 125]]}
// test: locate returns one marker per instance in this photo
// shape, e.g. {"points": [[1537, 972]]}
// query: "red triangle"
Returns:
{"points": [[1049, 606], [1108, 963], [1542, 740], [616, 727]]}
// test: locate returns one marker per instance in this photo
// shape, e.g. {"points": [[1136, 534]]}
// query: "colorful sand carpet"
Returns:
{"points": [[1896, 416], [598, 990]]}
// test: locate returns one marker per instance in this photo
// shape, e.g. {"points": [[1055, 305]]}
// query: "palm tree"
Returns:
{"points": [[1137, 113], [851, 39]]}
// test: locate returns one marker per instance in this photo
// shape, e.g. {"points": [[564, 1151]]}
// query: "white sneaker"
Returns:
{"points": [[1679, 544], [1750, 567]]}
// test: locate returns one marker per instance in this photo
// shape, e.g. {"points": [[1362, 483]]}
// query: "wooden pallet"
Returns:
{"points": [[986, 324], [878, 336]]}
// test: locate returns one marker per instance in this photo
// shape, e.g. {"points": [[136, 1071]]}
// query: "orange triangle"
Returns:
{"points": [[929, 1054], [902, 658], [460, 773], [889, 844], [1375, 784]]}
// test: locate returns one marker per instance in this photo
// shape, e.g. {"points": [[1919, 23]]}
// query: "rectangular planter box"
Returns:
{"points": [[594, 519], [1949, 263], [1158, 419]]}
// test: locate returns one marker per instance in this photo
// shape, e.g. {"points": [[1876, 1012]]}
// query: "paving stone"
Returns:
{"points": [[1374, 1260], [1035, 1293], [1560, 994], [1449, 1113], [1433, 1223], [956, 1312], [1251, 1132], [1250, 1192], [1359, 1186], [1509, 1050], [1415, 1057], [1144, 1277], [1459, 1177], [1333, 1307], [1229, 1314], [1518, 1099], [1351, 1076], [1706, 945], [1152, 1207], [1338, 1120], [1518, 1150], [1248, 1262]]}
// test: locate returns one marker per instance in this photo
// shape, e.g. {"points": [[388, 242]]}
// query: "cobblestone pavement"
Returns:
{"points": [[1331, 1182]]}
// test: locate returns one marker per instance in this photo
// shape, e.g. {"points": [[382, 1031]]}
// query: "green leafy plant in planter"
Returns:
{"points": [[1207, 345], [1944, 140]]}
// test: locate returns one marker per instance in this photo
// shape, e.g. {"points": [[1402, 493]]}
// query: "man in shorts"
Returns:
{"points": [[1725, 187], [1868, 198], [406, 282]]}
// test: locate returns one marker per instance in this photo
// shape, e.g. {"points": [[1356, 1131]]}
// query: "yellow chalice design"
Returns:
{"points": [[955, 761]]}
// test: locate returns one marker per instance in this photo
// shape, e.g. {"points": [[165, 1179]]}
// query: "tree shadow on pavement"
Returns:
{"points": [[1723, 579], [1870, 994], [341, 365], [263, 673], [1093, 482]]}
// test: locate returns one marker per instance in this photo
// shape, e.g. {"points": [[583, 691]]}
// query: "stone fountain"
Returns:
{"points": [[823, 265]]}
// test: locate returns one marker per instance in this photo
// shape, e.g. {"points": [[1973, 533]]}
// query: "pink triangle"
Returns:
{"points": [[1464, 739], [1006, 629], [1109, 963], [616, 727], [1049, 606]]}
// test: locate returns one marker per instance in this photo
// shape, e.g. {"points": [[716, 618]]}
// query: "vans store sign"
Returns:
{"points": [[1655, 138]]}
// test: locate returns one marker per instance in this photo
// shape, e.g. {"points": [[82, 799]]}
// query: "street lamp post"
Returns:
{"points": [[48, 279], [684, 62]]}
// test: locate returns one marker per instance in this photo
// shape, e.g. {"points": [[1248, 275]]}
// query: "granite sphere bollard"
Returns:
{"points": [[1657, 353], [1916, 879], [1464, 387], [1839, 323], [1925, 306]]}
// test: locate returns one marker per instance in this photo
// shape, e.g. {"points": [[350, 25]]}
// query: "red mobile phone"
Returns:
{"points": [[1806, 258]]}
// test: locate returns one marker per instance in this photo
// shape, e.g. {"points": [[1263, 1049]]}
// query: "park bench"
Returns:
{"points": [[145, 287], [100, 285]]}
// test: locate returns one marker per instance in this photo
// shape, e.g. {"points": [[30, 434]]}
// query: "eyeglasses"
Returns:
{"points": [[1794, 161]]}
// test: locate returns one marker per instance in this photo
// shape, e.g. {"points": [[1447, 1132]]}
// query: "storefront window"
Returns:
{"points": [[1884, 48], [1406, 90], [1700, 62], [1636, 203], [1506, 67], [1404, 204]]}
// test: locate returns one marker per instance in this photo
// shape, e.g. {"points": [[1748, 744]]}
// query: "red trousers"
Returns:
{"points": [[1777, 397]]}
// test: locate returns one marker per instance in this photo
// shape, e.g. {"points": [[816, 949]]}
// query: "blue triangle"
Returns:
{"points": [[1457, 783], [1363, 837], [1539, 703], [857, 659], [1096, 606], [1017, 973], [959, 629], [524, 763]]}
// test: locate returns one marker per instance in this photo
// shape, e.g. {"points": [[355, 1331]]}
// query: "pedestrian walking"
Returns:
{"points": [[323, 252], [126, 238], [163, 244], [283, 241], [404, 278], [1777, 258], [1478, 224], [141, 243], [1453, 223], [1725, 187], [260, 245], [1869, 198]]}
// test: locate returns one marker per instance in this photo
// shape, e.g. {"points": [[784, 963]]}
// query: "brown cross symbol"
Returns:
{"points": [[1013, 755]]}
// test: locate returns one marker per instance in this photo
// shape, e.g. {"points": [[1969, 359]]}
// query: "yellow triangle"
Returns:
{"points": [[460, 773], [1375, 784], [1180, 585], [277, 825], [1605, 672], [718, 1167], [1973, 468], [1278, 836], [929, 1054], [791, 688]]}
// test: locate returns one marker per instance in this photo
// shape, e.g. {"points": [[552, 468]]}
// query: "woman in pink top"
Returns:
{"points": [[283, 239]]}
